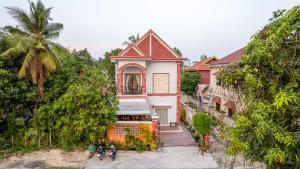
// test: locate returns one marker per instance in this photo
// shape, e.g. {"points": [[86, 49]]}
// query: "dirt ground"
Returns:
{"points": [[49, 159]]}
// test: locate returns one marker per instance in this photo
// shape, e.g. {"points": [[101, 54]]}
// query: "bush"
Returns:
{"points": [[182, 114], [202, 123], [145, 141]]}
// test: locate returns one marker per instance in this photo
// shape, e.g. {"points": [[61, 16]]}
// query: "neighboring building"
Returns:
{"points": [[224, 99], [148, 84], [203, 68]]}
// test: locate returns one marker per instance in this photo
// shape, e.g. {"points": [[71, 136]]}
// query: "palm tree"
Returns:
{"points": [[30, 39], [131, 39]]}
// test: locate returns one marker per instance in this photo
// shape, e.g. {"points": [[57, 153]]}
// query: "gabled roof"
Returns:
{"points": [[202, 64], [132, 50], [151, 47], [233, 57]]}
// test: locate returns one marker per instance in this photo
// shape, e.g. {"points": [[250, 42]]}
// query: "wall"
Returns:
{"points": [[162, 67], [164, 101], [205, 74], [226, 94], [113, 136]]}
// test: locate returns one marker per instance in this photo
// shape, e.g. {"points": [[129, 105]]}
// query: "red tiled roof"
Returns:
{"points": [[202, 64], [233, 57], [151, 46]]}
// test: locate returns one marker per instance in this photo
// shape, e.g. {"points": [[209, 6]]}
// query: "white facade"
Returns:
{"points": [[226, 94], [168, 100], [148, 71]]}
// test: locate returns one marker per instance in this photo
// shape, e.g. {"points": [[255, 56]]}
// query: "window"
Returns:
{"points": [[160, 83], [132, 84], [218, 107], [121, 129]]}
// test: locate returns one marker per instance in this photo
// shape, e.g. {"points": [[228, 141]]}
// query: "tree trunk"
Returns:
{"points": [[50, 138], [39, 139], [12, 140]]}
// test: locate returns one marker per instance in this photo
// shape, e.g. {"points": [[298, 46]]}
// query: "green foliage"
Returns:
{"points": [[182, 114], [177, 50], [268, 77], [31, 40], [107, 66], [189, 82], [81, 108], [76, 108], [202, 123], [149, 138], [146, 140]]}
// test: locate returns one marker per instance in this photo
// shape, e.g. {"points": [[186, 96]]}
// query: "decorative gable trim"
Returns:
{"points": [[132, 46], [152, 34], [165, 44]]}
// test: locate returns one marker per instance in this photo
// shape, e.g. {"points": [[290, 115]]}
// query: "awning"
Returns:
{"points": [[230, 104], [133, 108], [217, 99]]}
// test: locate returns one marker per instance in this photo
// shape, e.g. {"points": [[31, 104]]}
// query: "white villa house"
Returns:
{"points": [[148, 86]]}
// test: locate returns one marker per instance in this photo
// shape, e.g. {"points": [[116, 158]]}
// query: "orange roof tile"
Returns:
{"points": [[149, 45], [202, 64]]}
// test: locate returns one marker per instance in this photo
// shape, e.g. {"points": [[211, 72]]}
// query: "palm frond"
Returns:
{"points": [[22, 18], [40, 15], [52, 30], [10, 52], [59, 50], [126, 43], [15, 31], [53, 56], [26, 63], [48, 61], [22, 44]]}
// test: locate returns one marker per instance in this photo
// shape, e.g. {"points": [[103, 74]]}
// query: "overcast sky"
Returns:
{"points": [[196, 27]]}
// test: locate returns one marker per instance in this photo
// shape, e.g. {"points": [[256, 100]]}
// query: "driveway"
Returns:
{"points": [[176, 136], [171, 157]]}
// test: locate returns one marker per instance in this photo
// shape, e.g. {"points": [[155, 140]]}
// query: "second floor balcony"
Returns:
{"points": [[132, 90]]}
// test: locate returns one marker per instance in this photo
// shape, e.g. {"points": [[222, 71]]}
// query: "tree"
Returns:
{"points": [[131, 39], [79, 105], [18, 97], [268, 78], [31, 40], [177, 51], [189, 82], [106, 64]]}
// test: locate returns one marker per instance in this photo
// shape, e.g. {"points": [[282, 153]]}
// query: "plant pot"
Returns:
{"points": [[206, 139]]}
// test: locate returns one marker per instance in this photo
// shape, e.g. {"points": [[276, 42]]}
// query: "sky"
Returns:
{"points": [[196, 27]]}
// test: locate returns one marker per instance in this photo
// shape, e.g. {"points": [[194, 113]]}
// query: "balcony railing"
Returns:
{"points": [[132, 90]]}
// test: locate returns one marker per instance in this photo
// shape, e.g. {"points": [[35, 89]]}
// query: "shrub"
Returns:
{"points": [[202, 123], [145, 141], [182, 114]]}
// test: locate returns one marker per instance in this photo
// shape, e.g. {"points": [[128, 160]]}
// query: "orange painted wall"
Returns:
{"points": [[113, 136]]}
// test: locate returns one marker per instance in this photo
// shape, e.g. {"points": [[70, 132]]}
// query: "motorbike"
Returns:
{"points": [[92, 150], [101, 151], [112, 153]]}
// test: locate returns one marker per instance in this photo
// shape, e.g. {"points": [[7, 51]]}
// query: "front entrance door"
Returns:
{"points": [[162, 112]]}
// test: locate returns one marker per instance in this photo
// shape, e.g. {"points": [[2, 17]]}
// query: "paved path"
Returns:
{"points": [[176, 137], [171, 157]]}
